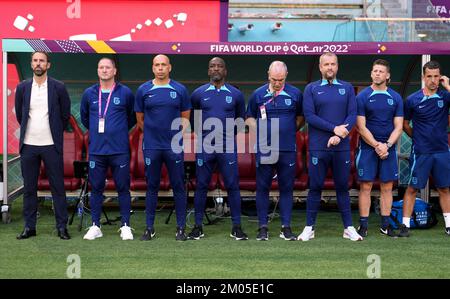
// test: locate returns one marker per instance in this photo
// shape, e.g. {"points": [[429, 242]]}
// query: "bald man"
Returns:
{"points": [[275, 111], [221, 103], [162, 109]]}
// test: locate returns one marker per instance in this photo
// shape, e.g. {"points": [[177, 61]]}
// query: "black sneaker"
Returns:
{"points": [[404, 231], [181, 235], [286, 233], [149, 234], [388, 232], [263, 234], [447, 231], [196, 233], [362, 231], [237, 233]]}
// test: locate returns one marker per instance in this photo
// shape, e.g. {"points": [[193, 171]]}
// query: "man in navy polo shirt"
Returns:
{"points": [[107, 111], [380, 124], [224, 105], [330, 110], [428, 110], [162, 110], [275, 111]]}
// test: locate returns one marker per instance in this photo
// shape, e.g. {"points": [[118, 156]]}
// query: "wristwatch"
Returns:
{"points": [[388, 144]]}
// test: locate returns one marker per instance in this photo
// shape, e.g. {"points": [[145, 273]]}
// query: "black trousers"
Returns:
{"points": [[30, 158]]}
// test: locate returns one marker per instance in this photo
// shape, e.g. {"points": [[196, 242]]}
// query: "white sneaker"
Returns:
{"points": [[307, 234], [351, 233], [125, 233], [94, 232]]}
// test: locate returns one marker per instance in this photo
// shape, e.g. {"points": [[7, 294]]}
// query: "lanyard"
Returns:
{"points": [[274, 95], [100, 100]]}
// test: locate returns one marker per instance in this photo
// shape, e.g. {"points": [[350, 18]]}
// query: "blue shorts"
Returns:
{"points": [[421, 165], [370, 166]]}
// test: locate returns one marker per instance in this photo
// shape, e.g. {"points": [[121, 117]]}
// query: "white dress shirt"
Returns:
{"points": [[38, 127]]}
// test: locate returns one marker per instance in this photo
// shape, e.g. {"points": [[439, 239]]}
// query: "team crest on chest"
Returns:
{"points": [[116, 100], [390, 101], [148, 161], [199, 162], [92, 164], [288, 101], [341, 91], [440, 103], [228, 99], [314, 160], [173, 94]]}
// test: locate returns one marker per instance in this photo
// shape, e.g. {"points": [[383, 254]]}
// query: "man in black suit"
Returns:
{"points": [[42, 110]]}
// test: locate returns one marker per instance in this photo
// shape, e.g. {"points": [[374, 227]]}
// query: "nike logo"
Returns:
{"points": [[291, 164], [177, 161], [231, 162], [372, 101], [420, 107], [205, 99], [383, 231], [320, 92], [122, 166], [396, 174], [346, 162], [151, 95], [94, 102]]}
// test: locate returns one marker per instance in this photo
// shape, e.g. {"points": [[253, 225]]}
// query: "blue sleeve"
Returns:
{"points": [[84, 109], [361, 109], [310, 113], [139, 101], [252, 109], [240, 106], [408, 109], [399, 110], [351, 108], [299, 108], [130, 109], [195, 100], [185, 100]]}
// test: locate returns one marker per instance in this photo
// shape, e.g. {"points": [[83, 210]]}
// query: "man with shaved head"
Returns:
{"points": [[162, 104], [221, 103], [275, 111]]}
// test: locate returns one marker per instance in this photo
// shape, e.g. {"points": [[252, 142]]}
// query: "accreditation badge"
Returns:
{"points": [[262, 109], [101, 125]]}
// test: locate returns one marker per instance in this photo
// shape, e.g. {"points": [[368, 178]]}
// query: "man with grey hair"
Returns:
{"points": [[274, 110]]}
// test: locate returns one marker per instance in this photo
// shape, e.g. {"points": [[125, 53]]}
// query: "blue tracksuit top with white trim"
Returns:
{"points": [[161, 104], [224, 103], [429, 116], [286, 106], [119, 119], [326, 106], [379, 107]]}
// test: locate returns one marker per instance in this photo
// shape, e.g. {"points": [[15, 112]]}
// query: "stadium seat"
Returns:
{"points": [[72, 150], [301, 176]]}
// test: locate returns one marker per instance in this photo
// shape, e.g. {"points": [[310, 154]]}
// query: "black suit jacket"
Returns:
{"points": [[58, 109]]}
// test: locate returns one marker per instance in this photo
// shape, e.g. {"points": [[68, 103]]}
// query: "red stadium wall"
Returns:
{"points": [[164, 21]]}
